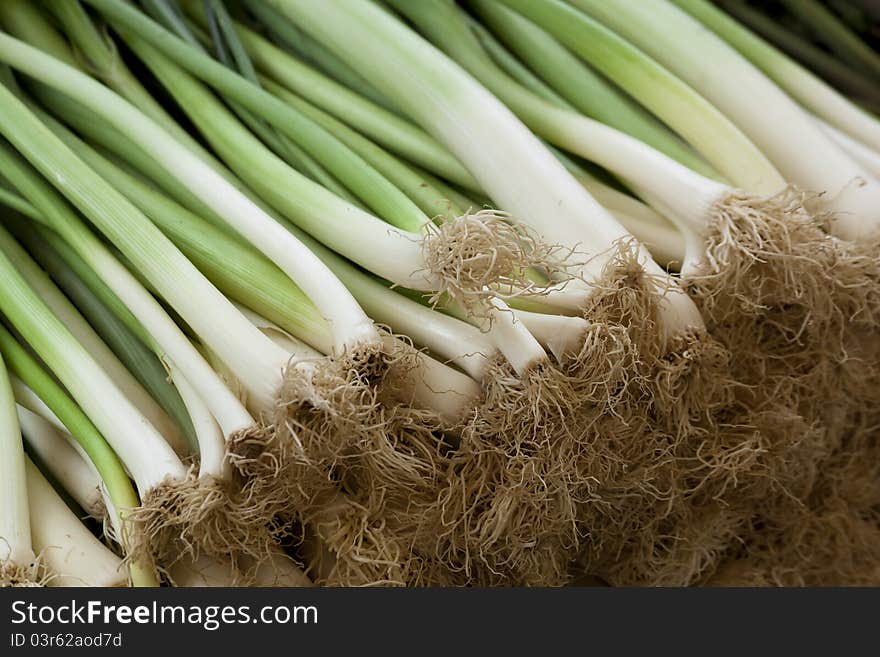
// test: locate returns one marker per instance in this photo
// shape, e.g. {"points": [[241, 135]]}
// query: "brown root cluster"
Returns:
{"points": [[344, 451], [668, 451], [503, 513], [356, 547], [742, 452], [791, 302], [832, 546], [323, 406], [14, 575], [474, 255], [195, 517], [825, 534], [797, 310]]}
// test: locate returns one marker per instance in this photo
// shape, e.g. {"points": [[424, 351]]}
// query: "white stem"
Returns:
{"points": [[176, 347], [619, 202], [279, 336], [664, 241], [277, 570], [659, 235], [212, 446], [64, 310], [799, 82], [688, 194], [837, 110], [862, 153], [55, 450], [693, 245], [562, 335], [70, 552], [15, 530], [508, 161], [28, 399], [512, 338], [451, 339], [436, 386], [783, 131], [348, 321], [440, 388], [204, 572]]}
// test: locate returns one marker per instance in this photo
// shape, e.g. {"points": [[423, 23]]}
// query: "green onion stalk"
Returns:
{"points": [[584, 88], [288, 37], [258, 283], [46, 247], [330, 105], [18, 563], [523, 206], [387, 129], [652, 229], [731, 275], [354, 333], [831, 30], [774, 287], [301, 463], [259, 166], [762, 252], [763, 111], [865, 155], [768, 40], [96, 53], [536, 189], [412, 252], [73, 556], [84, 332], [204, 498], [62, 458], [39, 392]]}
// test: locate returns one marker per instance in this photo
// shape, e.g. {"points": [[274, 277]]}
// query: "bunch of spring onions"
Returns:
{"points": [[438, 293]]}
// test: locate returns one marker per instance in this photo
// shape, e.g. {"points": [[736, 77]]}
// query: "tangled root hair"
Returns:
{"points": [[198, 516], [679, 550], [833, 546], [31, 575], [357, 547], [507, 512], [785, 297], [473, 255]]}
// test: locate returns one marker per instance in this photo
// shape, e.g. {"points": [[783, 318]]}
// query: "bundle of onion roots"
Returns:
{"points": [[439, 293]]}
